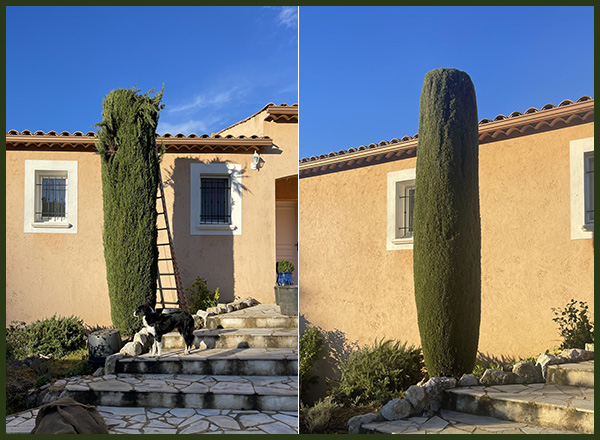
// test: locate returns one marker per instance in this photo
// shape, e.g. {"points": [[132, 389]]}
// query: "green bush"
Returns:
{"points": [[377, 374], [130, 172], [285, 266], [574, 325], [318, 416], [56, 336], [447, 231], [479, 369], [200, 297], [311, 346], [17, 341]]}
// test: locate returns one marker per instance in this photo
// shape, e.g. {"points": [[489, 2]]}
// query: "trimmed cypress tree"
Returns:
{"points": [[130, 173], [447, 231]]}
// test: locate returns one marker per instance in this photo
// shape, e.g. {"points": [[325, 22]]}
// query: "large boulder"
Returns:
{"points": [[396, 409], [546, 359], [417, 398], [355, 423], [497, 377], [132, 349], [468, 380], [528, 372], [577, 355], [434, 391]]}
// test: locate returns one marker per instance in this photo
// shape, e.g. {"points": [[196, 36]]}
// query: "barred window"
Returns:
{"points": [[215, 200], [589, 187], [52, 199], [406, 207]]}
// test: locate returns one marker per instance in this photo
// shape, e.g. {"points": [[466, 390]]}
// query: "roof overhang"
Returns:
{"points": [[533, 121]]}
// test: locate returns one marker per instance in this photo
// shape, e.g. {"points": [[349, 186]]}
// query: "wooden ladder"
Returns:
{"points": [[169, 289]]}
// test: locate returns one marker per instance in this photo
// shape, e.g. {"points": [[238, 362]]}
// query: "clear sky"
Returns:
{"points": [[218, 64], [362, 68]]}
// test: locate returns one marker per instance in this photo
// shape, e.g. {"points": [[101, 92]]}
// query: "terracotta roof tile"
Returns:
{"points": [[484, 121]]}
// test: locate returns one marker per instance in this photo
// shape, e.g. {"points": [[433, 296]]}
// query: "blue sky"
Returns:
{"points": [[218, 64], [362, 68]]}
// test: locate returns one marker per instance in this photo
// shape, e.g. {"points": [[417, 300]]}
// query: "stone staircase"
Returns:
{"points": [[565, 402], [248, 360]]}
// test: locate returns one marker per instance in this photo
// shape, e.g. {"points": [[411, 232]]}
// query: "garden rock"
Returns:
{"points": [[546, 359], [132, 349], [355, 423], [497, 377], [230, 308], [144, 338], [110, 364], [577, 355], [468, 380], [99, 372], [434, 391], [396, 409], [198, 322], [529, 372], [416, 396], [589, 347]]}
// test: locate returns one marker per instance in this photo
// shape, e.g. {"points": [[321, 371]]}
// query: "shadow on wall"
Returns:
{"points": [[336, 349], [208, 256]]}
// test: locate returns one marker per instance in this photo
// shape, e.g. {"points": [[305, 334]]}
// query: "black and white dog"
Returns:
{"points": [[158, 324]]}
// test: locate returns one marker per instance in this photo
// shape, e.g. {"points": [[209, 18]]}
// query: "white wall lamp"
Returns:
{"points": [[255, 161]]}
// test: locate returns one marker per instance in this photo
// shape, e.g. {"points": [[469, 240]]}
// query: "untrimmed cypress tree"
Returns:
{"points": [[127, 148], [447, 231]]}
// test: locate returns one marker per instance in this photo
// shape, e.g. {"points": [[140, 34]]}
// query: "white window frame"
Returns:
{"points": [[234, 173], [35, 170], [397, 183], [577, 152]]}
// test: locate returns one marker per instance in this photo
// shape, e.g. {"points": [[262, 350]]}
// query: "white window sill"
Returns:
{"points": [[403, 241], [588, 227], [60, 225], [215, 227]]}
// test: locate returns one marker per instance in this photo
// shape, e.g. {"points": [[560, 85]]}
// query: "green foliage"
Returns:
{"points": [[130, 172], [51, 336], [496, 366], [377, 374], [479, 369], [200, 297], [285, 266], [574, 325], [447, 231], [318, 416], [311, 346]]}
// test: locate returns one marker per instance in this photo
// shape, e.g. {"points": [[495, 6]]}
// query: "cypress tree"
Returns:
{"points": [[447, 231], [130, 172]]}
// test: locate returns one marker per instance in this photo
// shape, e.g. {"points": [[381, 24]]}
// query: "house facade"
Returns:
{"points": [[536, 200], [55, 263]]}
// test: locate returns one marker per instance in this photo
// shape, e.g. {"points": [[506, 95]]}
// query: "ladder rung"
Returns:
{"points": [[161, 229], [159, 213]]}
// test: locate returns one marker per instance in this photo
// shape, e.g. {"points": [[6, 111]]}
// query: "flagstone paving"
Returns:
{"points": [[122, 420], [452, 422]]}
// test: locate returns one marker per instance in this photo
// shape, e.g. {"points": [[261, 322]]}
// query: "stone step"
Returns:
{"points": [[236, 338], [237, 362], [452, 422], [579, 374], [565, 408], [262, 393], [233, 320]]}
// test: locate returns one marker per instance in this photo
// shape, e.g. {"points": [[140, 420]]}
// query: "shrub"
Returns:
{"points": [[200, 297], [374, 375], [447, 231], [130, 172], [479, 369], [285, 266], [55, 336], [17, 341], [574, 325], [311, 345], [318, 416]]}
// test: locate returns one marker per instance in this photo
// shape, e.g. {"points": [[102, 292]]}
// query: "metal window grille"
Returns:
{"points": [[53, 199], [407, 203], [589, 188], [215, 200]]}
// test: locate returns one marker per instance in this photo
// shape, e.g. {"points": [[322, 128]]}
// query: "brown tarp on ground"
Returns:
{"points": [[67, 416]]}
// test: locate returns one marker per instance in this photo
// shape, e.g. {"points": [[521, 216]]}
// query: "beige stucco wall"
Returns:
{"points": [[65, 273], [352, 287]]}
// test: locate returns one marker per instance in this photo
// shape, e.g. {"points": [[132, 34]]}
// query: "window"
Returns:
{"points": [[216, 199], [589, 188], [215, 196], [582, 188], [50, 196], [400, 206]]}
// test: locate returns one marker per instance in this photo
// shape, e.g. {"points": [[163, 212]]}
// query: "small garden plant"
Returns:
{"points": [[285, 266], [311, 347], [200, 296], [574, 325]]}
